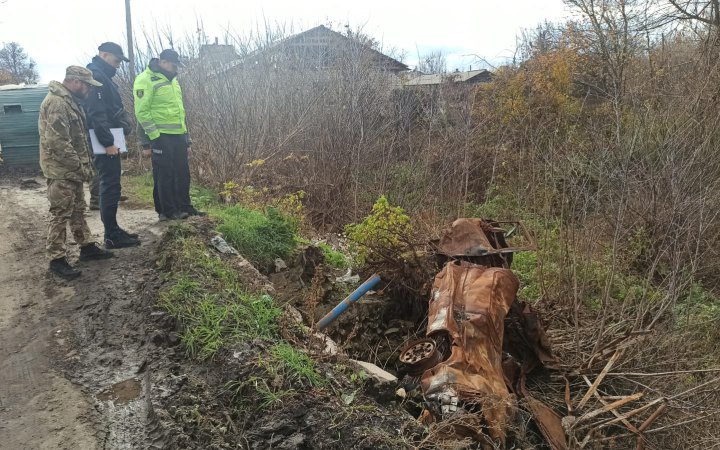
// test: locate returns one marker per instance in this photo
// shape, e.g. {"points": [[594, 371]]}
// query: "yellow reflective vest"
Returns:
{"points": [[158, 103]]}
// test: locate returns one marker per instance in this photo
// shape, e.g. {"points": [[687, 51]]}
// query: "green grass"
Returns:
{"points": [[203, 198], [205, 294], [270, 396], [139, 189], [296, 363], [334, 258], [207, 297], [260, 237]]}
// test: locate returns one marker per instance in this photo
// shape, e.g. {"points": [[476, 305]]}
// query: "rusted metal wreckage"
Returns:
{"points": [[481, 341]]}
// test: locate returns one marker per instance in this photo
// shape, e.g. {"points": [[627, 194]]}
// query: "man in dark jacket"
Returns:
{"points": [[105, 111]]}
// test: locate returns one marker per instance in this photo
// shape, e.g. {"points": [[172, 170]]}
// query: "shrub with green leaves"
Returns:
{"points": [[383, 231]]}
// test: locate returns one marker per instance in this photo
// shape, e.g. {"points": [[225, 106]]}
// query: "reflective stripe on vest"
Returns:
{"points": [[168, 126]]}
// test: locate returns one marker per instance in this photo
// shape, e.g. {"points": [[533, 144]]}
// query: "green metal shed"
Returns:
{"points": [[19, 138]]}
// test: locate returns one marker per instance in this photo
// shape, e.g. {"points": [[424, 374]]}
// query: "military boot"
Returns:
{"points": [[63, 269], [92, 252]]}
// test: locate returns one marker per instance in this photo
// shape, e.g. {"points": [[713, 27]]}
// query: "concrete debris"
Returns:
{"points": [[251, 276], [222, 246], [293, 313], [331, 348], [375, 372], [280, 265], [348, 278]]}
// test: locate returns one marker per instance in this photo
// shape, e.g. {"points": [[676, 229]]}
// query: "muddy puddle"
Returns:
{"points": [[122, 393]]}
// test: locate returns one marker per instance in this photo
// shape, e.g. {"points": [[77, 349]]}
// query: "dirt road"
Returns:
{"points": [[71, 353]]}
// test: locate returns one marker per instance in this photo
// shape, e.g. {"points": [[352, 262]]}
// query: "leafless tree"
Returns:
{"points": [[432, 62], [15, 61]]}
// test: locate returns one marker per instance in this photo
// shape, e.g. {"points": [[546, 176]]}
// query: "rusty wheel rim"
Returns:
{"points": [[418, 352]]}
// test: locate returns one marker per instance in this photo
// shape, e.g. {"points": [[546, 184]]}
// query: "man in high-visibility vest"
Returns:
{"points": [[161, 118]]}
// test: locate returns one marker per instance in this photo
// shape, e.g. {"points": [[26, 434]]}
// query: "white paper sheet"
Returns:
{"points": [[118, 136]]}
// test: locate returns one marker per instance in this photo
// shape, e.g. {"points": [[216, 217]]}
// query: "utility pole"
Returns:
{"points": [[130, 47]]}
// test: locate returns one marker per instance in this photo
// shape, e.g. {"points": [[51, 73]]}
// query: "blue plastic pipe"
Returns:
{"points": [[352, 298]]}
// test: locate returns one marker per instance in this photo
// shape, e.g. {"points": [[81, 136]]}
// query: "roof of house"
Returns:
{"points": [[314, 37], [437, 78], [12, 87]]}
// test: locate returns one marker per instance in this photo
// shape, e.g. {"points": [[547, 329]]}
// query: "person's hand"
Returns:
{"points": [[147, 152], [112, 150]]}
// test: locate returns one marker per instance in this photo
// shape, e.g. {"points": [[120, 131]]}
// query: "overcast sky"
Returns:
{"points": [[58, 33]]}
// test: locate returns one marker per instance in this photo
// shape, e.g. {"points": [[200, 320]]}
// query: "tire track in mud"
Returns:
{"points": [[72, 354], [38, 408]]}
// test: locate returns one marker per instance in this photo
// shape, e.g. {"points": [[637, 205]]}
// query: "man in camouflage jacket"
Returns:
{"points": [[65, 162]]}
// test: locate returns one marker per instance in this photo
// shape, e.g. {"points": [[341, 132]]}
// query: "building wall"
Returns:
{"points": [[19, 137]]}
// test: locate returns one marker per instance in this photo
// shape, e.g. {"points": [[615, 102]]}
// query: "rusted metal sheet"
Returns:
{"points": [[481, 341], [478, 237], [525, 345], [549, 423], [469, 304]]}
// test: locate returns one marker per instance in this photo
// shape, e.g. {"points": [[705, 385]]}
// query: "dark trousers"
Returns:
{"points": [[171, 175], [108, 174]]}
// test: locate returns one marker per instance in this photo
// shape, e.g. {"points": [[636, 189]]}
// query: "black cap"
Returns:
{"points": [[172, 56], [113, 48]]}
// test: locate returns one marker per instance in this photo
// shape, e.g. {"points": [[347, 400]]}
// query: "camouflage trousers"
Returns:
{"points": [[94, 186], [67, 205]]}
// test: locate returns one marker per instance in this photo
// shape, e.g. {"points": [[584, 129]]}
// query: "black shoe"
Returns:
{"points": [[163, 218], [132, 235], [195, 212], [63, 269], [180, 216], [123, 198], [92, 252], [94, 207], [119, 240]]}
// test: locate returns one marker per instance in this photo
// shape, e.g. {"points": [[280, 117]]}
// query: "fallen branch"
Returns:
{"points": [[625, 422], [659, 374], [627, 415], [714, 380], [656, 430], [641, 439], [599, 379], [608, 407]]}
